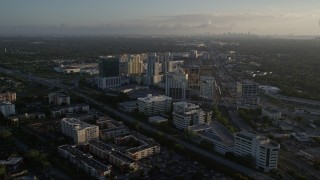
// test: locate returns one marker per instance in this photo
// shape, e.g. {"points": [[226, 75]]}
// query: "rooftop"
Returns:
{"points": [[151, 98], [214, 131], [77, 122]]}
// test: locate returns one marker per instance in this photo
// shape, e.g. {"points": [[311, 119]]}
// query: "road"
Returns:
{"points": [[220, 160], [238, 121]]}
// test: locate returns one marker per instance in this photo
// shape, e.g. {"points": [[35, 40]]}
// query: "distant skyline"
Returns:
{"points": [[169, 17]]}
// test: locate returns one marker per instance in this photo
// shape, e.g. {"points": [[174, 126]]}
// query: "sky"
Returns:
{"points": [[148, 17]]}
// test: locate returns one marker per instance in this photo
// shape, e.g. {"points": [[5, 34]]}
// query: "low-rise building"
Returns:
{"points": [[271, 113], [188, 114], [129, 107], [58, 99], [106, 152], [153, 105], [157, 119], [221, 139], [8, 96], [263, 150], [7, 108], [58, 111], [85, 162], [147, 146], [80, 132]]}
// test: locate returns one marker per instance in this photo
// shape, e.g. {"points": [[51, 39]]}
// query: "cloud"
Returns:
{"points": [[259, 23]]}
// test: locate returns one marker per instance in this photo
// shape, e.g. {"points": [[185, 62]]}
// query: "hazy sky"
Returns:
{"points": [[159, 16]]}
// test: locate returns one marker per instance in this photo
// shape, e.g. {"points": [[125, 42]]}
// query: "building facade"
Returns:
{"points": [[108, 82], [247, 93], [153, 76], [208, 88], [176, 85], [80, 132], [85, 162], [135, 65], [8, 96], [262, 150], [7, 108], [58, 99], [153, 105], [188, 114]]}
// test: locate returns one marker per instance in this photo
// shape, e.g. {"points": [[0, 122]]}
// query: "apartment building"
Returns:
{"points": [[147, 146], [80, 132], [263, 150], [106, 152], [8, 96], [153, 105], [247, 93], [187, 114], [85, 162], [111, 129]]}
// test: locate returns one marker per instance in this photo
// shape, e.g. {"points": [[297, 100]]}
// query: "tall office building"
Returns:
{"points": [[109, 67], [135, 65], [188, 114], [176, 85], [153, 76], [109, 72], [247, 93], [167, 63], [208, 88], [263, 150], [79, 131]]}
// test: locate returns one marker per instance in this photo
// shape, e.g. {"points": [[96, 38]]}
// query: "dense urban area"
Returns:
{"points": [[160, 107]]}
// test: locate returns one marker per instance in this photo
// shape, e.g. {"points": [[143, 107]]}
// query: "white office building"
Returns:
{"points": [[208, 87], [188, 114], [263, 150], [176, 85], [7, 108], [80, 132], [153, 105]]}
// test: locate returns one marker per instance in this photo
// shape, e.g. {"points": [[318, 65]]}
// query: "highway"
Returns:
{"points": [[220, 160]]}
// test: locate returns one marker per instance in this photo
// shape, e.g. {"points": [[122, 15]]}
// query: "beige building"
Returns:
{"points": [[8, 96], [135, 65], [80, 132], [147, 146]]}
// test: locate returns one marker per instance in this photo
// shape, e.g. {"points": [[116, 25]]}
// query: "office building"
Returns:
{"points": [[58, 99], [176, 85], [263, 150], [80, 132], [153, 76], [247, 93], [208, 88], [153, 105], [167, 63], [188, 114], [135, 65], [8, 96], [7, 108], [85, 162], [109, 67]]}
